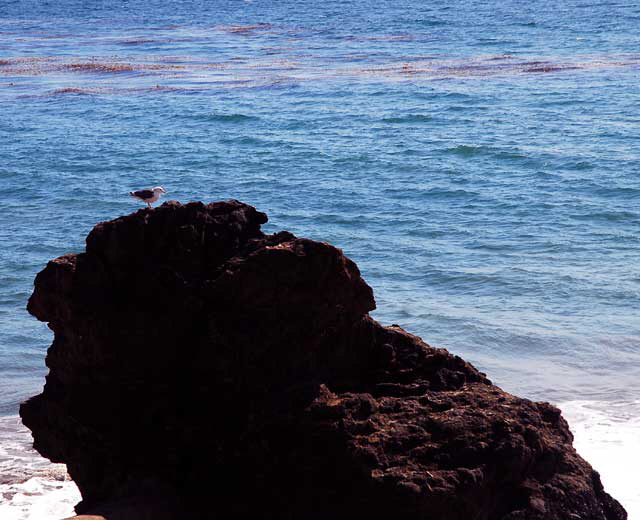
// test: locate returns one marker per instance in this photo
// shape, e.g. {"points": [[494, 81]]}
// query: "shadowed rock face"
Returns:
{"points": [[204, 369]]}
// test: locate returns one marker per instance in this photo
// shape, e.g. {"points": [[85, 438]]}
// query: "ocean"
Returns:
{"points": [[479, 163]]}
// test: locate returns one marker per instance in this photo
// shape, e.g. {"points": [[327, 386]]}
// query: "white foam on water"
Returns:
{"points": [[39, 498], [607, 435], [31, 487]]}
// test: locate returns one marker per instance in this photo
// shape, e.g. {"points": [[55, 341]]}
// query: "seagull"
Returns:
{"points": [[148, 196]]}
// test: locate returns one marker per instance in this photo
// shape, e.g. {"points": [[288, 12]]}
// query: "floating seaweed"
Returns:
{"points": [[99, 67], [246, 28]]}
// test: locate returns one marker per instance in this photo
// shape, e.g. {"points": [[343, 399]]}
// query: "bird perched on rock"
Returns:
{"points": [[148, 196]]}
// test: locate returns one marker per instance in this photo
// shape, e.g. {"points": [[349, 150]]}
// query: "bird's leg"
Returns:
{"points": [[149, 204]]}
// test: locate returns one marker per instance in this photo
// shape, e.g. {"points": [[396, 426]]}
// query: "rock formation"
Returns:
{"points": [[210, 371]]}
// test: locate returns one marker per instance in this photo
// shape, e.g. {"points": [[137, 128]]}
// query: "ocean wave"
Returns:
{"points": [[137, 41], [38, 498], [465, 150], [607, 435], [245, 29], [618, 192], [431, 22], [470, 282], [609, 216], [444, 193], [31, 487], [222, 118], [411, 118], [245, 140], [579, 165]]}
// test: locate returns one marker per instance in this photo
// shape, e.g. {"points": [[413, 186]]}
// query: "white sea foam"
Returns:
{"points": [[607, 435], [31, 487]]}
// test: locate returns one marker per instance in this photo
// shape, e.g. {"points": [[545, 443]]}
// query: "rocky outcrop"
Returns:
{"points": [[210, 371]]}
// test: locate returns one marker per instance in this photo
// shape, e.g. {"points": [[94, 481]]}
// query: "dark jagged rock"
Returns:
{"points": [[204, 369]]}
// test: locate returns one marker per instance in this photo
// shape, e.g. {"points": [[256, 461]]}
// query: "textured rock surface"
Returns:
{"points": [[201, 366]]}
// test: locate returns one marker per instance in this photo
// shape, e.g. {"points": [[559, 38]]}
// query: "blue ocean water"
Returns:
{"points": [[479, 162]]}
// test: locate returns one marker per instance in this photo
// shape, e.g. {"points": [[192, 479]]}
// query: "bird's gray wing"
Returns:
{"points": [[143, 194]]}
